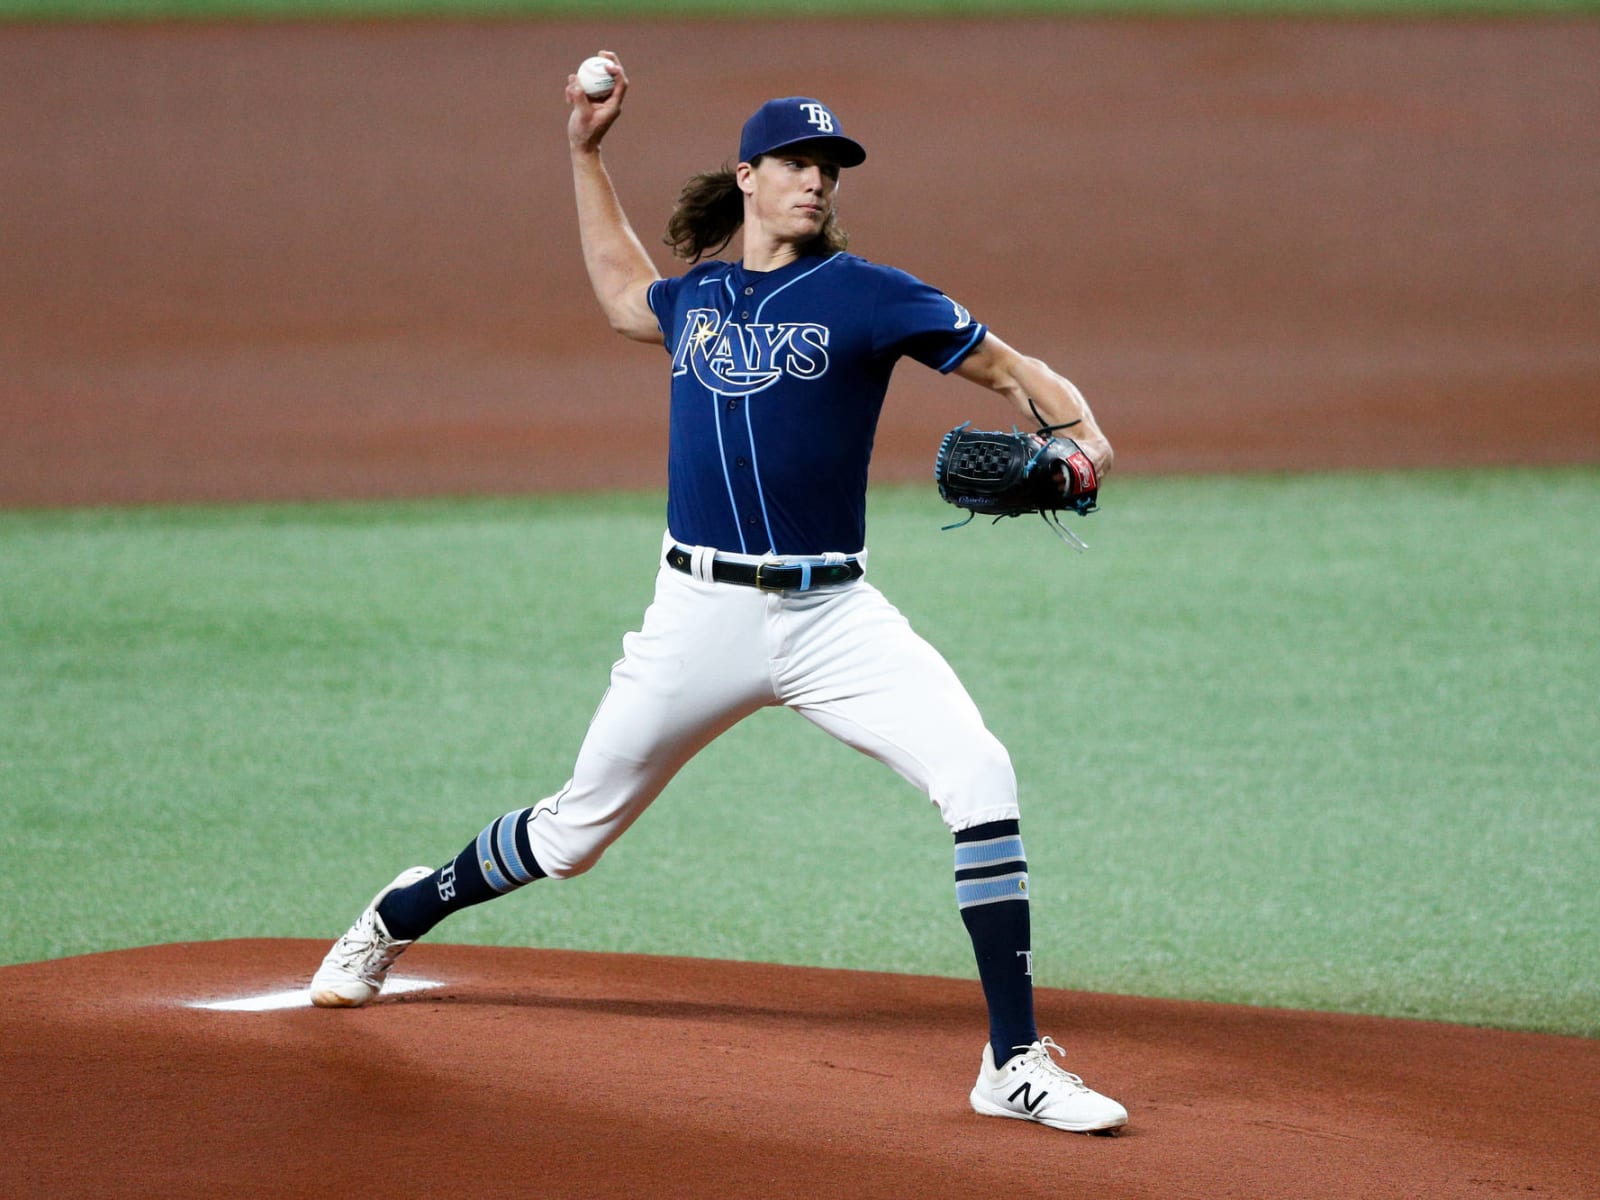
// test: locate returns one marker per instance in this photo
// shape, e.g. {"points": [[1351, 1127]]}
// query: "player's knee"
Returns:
{"points": [[981, 787], [563, 852], [565, 865]]}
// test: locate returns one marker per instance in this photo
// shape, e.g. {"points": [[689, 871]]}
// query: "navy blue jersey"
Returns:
{"points": [[778, 378]]}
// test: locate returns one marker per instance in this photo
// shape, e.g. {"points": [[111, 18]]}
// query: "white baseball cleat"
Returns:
{"points": [[354, 970], [1031, 1086]]}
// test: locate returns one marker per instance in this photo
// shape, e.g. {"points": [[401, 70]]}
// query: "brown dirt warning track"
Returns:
{"points": [[304, 261], [287, 261]]}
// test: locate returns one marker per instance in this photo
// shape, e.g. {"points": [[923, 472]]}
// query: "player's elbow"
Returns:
{"points": [[620, 320], [629, 314], [635, 330]]}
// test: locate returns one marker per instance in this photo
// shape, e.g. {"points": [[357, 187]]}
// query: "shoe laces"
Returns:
{"points": [[375, 953], [1038, 1057]]}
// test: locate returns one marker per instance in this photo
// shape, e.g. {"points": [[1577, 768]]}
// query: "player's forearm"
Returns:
{"points": [[1022, 380], [619, 269], [1059, 402]]}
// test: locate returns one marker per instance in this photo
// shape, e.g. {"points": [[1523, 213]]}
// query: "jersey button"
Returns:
{"points": [[733, 405], [749, 291], [752, 520], [740, 462]]}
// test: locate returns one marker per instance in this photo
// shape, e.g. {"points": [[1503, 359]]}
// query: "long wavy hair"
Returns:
{"points": [[710, 210]]}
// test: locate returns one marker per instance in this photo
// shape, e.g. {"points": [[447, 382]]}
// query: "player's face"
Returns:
{"points": [[792, 191]]}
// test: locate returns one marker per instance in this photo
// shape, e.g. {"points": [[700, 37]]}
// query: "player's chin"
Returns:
{"points": [[809, 221]]}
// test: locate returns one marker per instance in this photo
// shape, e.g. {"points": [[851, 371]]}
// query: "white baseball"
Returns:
{"points": [[595, 80]]}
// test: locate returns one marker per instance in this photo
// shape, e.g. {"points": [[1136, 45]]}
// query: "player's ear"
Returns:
{"points": [[744, 176]]}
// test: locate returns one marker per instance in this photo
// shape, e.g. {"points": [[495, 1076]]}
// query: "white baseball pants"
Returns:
{"points": [[709, 654]]}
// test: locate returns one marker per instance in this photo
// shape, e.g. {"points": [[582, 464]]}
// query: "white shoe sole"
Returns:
{"points": [[985, 1107], [327, 998]]}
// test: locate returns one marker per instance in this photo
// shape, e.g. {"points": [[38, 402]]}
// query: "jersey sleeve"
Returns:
{"points": [[917, 320], [662, 298]]}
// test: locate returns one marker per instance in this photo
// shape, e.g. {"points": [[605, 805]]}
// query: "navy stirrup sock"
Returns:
{"points": [[992, 893], [498, 861]]}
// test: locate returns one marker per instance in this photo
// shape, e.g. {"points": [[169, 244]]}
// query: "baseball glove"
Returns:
{"points": [[995, 474]]}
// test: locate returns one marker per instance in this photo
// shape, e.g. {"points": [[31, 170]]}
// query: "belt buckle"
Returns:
{"points": [[766, 587]]}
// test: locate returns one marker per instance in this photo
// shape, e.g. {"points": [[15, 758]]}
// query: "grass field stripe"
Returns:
{"points": [[301, 997], [1511, 753]]}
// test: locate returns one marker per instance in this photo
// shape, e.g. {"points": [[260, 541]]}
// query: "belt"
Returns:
{"points": [[772, 576]]}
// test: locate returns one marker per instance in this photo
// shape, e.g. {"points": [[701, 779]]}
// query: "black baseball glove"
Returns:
{"points": [[995, 474]]}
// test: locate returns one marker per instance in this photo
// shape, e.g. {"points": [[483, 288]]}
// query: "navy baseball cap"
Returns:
{"points": [[796, 119]]}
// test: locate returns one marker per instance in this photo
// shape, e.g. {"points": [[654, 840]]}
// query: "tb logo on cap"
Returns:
{"points": [[819, 116]]}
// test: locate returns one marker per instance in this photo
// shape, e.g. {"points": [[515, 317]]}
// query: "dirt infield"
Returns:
{"points": [[292, 262], [545, 1073]]}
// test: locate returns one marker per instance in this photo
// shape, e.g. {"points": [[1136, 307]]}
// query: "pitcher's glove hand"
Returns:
{"points": [[995, 474]]}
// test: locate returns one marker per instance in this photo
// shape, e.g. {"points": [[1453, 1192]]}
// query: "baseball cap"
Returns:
{"points": [[795, 119]]}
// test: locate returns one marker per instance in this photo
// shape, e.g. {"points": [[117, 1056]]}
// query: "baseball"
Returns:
{"points": [[595, 80]]}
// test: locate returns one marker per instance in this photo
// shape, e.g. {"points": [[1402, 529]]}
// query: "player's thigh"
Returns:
{"points": [[698, 658], [695, 667], [865, 676]]}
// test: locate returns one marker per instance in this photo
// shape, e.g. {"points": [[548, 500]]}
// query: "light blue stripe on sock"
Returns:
{"points": [[970, 892], [486, 863], [508, 848], [985, 854]]}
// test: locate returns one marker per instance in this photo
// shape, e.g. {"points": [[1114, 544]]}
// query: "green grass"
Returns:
{"points": [[622, 9], [1322, 741]]}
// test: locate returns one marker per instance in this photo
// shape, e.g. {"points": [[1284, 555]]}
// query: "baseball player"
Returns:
{"points": [[779, 362]]}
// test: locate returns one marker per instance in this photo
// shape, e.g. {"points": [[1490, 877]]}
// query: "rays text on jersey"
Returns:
{"points": [[734, 359]]}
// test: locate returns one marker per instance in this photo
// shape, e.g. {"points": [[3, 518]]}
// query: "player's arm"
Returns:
{"points": [[1020, 378], [619, 269]]}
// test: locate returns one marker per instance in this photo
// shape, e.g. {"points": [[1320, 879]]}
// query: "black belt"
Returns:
{"points": [[772, 576]]}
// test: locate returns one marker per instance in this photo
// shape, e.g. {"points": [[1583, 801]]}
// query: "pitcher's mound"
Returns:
{"points": [[200, 1070]]}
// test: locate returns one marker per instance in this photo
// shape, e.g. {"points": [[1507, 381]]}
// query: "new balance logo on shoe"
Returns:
{"points": [[1029, 1103], [1031, 1086]]}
